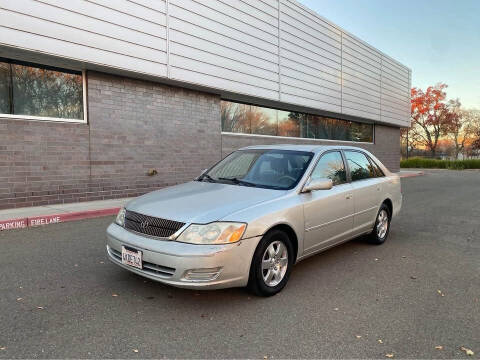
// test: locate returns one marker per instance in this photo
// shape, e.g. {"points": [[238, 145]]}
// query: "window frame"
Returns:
{"points": [[82, 73]]}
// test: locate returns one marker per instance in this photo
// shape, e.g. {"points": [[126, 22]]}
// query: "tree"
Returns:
{"points": [[474, 120], [456, 130], [463, 127], [476, 142], [431, 116]]}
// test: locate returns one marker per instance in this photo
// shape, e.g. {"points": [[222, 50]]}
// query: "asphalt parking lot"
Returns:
{"points": [[60, 297]]}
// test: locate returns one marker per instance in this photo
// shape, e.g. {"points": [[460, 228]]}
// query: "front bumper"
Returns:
{"points": [[169, 262]]}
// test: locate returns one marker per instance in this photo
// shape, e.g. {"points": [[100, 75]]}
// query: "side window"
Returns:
{"points": [[360, 167], [376, 168], [331, 166]]}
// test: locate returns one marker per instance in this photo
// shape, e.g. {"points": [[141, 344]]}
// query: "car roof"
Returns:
{"points": [[303, 147]]}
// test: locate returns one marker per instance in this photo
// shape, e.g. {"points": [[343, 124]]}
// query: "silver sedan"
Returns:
{"points": [[248, 219]]}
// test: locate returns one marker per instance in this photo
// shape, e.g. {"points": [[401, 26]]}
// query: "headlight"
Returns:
{"points": [[214, 233], [120, 220]]}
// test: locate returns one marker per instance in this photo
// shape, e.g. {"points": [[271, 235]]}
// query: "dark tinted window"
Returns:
{"points": [[40, 91], [275, 169], [289, 123], [360, 167], [251, 119], [331, 166], [5, 101], [235, 117], [328, 128], [361, 132], [263, 120], [320, 127]]}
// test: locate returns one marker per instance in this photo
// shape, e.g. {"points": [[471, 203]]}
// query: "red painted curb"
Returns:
{"points": [[13, 224], [55, 218]]}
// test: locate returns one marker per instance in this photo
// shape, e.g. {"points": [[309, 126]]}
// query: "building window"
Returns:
{"points": [[251, 119], [35, 91]]}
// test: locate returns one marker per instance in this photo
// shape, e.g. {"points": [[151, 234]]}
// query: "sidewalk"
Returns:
{"points": [[51, 214]]}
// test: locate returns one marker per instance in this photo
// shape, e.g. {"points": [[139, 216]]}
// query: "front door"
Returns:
{"points": [[328, 213]]}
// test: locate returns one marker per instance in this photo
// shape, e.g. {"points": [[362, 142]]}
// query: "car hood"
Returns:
{"points": [[200, 202]]}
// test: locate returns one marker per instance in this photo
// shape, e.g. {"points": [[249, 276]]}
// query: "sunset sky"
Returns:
{"points": [[439, 40]]}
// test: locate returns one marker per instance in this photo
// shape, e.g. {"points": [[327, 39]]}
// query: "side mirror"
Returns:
{"points": [[317, 184]]}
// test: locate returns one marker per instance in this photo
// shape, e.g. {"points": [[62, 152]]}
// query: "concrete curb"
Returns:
{"points": [[411, 174], [33, 221]]}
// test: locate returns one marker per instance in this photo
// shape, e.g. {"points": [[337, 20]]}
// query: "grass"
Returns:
{"points": [[440, 164]]}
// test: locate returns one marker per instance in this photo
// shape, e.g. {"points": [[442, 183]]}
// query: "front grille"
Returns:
{"points": [[152, 226], [147, 267]]}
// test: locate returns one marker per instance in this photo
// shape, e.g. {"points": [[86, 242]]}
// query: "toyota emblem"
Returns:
{"points": [[144, 224]]}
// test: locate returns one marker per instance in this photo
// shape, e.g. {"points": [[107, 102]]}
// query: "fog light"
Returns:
{"points": [[202, 274]]}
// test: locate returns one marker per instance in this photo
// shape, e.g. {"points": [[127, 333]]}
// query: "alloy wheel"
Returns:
{"points": [[382, 224], [274, 263]]}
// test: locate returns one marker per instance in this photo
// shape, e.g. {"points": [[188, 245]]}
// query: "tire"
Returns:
{"points": [[380, 232], [270, 277]]}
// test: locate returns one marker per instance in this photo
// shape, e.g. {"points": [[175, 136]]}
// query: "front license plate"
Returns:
{"points": [[132, 257]]}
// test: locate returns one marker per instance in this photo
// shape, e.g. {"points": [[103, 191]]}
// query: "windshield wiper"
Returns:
{"points": [[207, 177], [237, 181]]}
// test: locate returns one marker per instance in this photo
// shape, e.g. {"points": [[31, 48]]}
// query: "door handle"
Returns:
{"points": [[348, 196]]}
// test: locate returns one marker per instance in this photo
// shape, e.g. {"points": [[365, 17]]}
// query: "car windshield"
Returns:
{"points": [[272, 169]]}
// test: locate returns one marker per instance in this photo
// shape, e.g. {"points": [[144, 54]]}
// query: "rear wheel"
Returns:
{"points": [[271, 264], [382, 226]]}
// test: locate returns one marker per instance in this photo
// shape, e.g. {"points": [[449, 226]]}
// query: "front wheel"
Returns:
{"points": [[271, 264], [382, 226]]}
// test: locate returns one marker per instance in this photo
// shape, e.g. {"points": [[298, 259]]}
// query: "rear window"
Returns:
{"points": [[378, 171]]}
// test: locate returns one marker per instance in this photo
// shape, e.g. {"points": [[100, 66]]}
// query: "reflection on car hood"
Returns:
{"points": [[200, 202]]}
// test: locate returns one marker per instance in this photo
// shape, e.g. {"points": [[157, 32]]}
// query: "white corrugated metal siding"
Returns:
{"points": [[272, 49]]}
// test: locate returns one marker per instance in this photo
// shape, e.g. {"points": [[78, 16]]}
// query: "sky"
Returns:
{"points": [[438, 39]]}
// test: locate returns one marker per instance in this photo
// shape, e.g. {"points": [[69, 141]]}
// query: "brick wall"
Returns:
{"points": [[41, 162], [134, 126], [386, 147], [137, 125]]}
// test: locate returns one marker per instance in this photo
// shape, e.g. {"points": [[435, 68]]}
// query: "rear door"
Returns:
{"points": [[328, 214], [367, 189]]}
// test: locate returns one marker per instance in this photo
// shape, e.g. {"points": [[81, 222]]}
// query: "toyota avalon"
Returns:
{"points": [[248, 219]]}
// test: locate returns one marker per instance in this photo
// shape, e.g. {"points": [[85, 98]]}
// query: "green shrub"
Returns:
{"points": [[440, 164]]}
